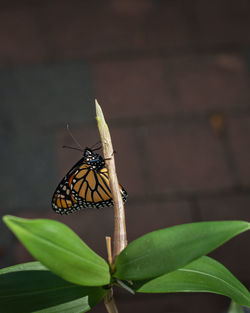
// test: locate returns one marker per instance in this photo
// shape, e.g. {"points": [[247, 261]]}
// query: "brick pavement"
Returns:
{"points": [[173, 80]]}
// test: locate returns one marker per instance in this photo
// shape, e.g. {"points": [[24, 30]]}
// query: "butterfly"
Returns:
{"points": [[86, 185]]}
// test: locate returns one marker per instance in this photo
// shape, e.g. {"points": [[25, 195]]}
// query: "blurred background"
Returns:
{"points": [[173, 80]]}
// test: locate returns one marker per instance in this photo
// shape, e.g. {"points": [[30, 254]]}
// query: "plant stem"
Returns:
{"points": [[120, 235], [109, 252], [109, 300]]}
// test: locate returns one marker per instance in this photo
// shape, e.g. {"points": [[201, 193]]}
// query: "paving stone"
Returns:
{"points": [[34, 100], [50, 94], [185, 157], [27, 168], [129, 156], [246, 54], [170, 303], [145, 217], [169, 25], [215, 82], [223, 21], [228, 207], [239, 134], [86, 29], [20, 36], [136, 87], [78, 29]]}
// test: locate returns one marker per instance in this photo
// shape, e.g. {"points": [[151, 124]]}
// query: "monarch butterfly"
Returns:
{"points": [[86, 185]]}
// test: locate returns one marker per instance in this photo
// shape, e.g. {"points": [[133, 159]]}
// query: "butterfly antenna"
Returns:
{"points": [[97, 143], [73, 148], [74, 139]]}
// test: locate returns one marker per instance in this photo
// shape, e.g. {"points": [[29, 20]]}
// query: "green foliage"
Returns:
{"points": [[202, 275], [57, 247], [31, 287], [168, 260], [168, 249], [235, 308]]}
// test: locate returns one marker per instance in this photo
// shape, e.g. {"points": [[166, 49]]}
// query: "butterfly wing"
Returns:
{"points": [[84, 187], [104, 182], [91, 188], [63, 201]]}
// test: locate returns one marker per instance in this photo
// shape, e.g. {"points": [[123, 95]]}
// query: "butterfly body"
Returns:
{"points": [[85, 185]]}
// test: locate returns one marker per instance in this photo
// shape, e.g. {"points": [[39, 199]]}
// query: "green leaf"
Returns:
{"points": [[77, 306], [168, 249], [29, 266], [30, 287], [235, 308], [202, 275], [57, 247]]}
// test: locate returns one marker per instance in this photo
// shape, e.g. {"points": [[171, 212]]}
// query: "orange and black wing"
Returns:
{"points": [[62, 200], [83, 187]]}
